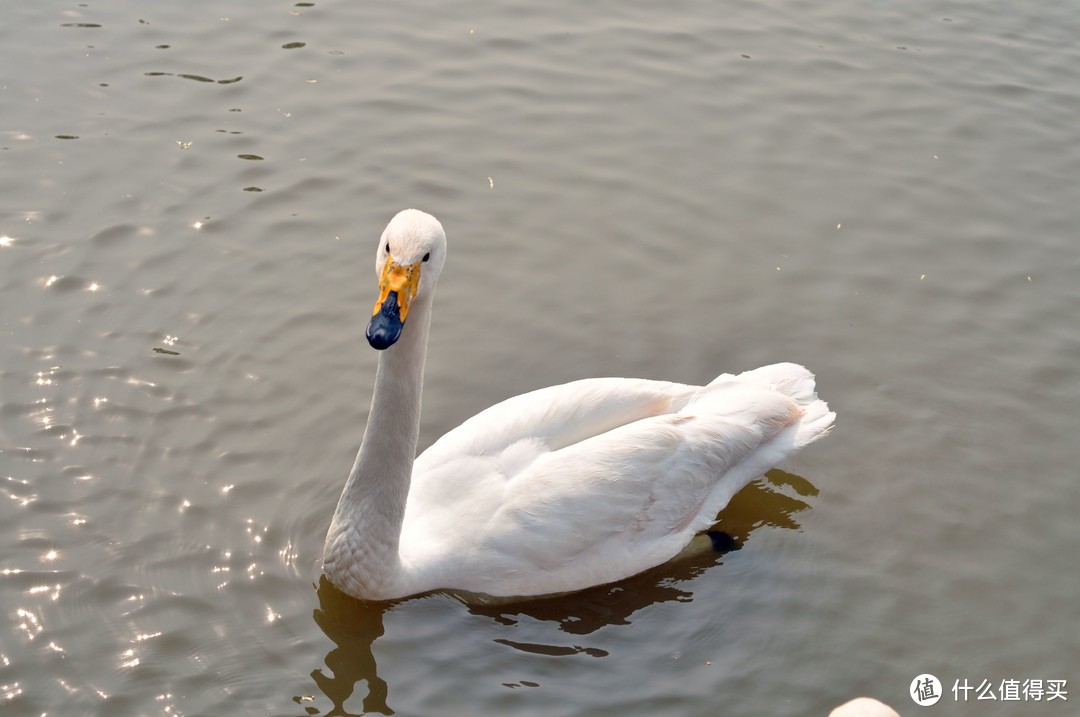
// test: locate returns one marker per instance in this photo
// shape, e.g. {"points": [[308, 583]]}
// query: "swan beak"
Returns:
{"points": [[397, 288]]}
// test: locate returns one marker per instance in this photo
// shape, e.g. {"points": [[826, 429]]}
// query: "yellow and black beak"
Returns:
{"points": [[397, 289]]}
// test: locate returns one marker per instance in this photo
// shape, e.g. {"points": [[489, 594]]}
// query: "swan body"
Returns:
{"points": [[551, 491]]}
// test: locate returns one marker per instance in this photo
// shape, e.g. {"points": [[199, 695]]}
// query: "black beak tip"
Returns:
{"points": [[382, 337], [385, 327]]}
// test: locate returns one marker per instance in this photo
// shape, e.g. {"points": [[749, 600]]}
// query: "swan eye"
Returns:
{"points": [[387, 247], [427, 256]]}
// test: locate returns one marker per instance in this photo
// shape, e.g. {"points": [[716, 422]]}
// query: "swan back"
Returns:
{"points": [[596, 480]]}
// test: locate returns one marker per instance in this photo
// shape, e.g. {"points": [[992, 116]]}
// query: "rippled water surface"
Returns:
{"points": [[190, 196]]}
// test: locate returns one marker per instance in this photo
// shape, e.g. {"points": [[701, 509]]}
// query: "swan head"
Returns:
{"points": [[410, 257]]}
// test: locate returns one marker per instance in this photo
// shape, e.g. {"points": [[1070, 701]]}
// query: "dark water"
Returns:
{"points": [[190, 196]]}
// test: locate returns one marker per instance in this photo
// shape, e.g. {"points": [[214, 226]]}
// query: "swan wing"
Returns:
{"points": [[534, 512], [470, 466], [561, 415]]}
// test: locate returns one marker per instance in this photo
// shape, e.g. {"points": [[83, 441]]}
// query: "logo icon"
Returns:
{"points": [[925, 690]]}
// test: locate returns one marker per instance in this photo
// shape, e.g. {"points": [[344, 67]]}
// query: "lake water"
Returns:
{"points": [[190, 197]]}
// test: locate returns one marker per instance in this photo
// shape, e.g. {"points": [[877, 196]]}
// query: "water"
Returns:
{"points": [[191, 196]]}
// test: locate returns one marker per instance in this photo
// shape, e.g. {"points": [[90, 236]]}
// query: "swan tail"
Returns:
{"points": [[816, 423], [790, 379], [796, 383]]}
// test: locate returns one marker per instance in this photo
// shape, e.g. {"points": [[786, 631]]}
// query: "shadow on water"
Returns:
{"points": [[354, 625]]}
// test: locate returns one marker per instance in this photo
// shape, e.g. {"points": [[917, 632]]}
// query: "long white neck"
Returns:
{"points": [[361, 549]]}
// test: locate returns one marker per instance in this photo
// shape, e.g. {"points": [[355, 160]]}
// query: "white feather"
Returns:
{"points": [[558, 489]]}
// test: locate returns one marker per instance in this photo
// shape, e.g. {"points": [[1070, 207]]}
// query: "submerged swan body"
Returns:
{"points": [[551, 491]]}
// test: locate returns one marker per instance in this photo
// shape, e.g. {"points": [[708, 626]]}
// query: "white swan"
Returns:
{"points": [[548, 492]]}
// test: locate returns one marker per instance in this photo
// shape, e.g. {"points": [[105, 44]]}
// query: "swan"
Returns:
{"points": [[552, 491]]}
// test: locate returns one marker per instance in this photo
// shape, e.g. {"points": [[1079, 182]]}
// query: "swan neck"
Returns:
{"points": [[361, 551]]}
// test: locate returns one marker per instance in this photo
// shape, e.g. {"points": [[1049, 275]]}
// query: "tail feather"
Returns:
{"points": [[790, 379], [797, 383], [816, 423]]}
